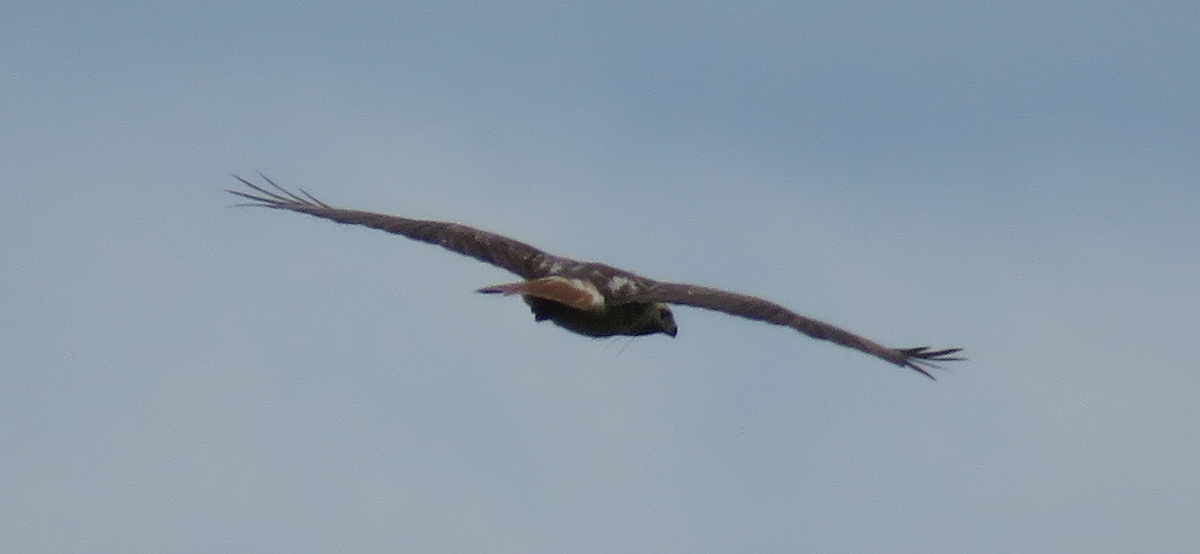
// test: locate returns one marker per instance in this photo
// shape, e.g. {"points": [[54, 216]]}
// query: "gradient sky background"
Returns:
{"points": [[1021, 179]]}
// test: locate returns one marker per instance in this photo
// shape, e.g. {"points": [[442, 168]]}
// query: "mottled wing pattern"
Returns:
{"points": [[515, 256], [920, 358], [575, 293]]}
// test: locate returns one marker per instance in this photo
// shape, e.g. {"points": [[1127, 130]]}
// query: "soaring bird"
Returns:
{"points": [[587, 298]]}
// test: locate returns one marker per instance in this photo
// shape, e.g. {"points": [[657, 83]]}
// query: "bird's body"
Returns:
{"points": [[589, 298], [577, 302]]}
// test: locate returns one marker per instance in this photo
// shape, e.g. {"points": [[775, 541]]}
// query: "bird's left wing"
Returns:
{"points": [[501, 251], [920, 358]]}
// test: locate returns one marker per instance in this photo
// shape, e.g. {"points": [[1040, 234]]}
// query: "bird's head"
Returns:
{"points": [[664, 320]]}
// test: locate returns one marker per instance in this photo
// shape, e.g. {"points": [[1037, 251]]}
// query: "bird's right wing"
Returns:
{"points": [[920, 359]]}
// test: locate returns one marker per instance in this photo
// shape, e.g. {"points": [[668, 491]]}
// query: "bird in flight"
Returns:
{"points": [[588, 298]]}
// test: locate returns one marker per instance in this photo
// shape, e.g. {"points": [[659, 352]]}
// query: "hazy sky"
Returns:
{"points": [[1021, 179]]}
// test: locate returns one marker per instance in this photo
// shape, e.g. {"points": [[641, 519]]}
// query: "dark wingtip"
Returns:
{"points": [[276, 196], [921, 358]]}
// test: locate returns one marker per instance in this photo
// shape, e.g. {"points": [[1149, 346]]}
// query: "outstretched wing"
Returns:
{"points": [[513, 255], [920, 358]]}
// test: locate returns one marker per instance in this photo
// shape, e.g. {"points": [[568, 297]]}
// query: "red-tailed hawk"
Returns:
{"points": [[589, 298]]}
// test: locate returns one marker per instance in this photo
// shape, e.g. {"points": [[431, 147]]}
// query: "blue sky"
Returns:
{"points": [[1019, 179]]}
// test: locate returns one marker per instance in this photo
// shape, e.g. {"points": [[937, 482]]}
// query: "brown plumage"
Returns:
{"points": [[589, 298]]}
